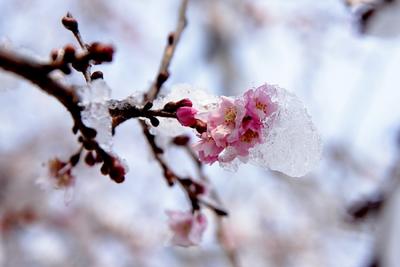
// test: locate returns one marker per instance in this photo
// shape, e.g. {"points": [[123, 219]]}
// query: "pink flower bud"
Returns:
{"points": [[184, 103], [185, 116]]}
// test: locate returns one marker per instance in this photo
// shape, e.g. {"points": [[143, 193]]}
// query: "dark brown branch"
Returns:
{"points": [[39, 74]]}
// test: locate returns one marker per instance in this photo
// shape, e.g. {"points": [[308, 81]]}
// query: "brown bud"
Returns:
{"points": [[101, 52], [154, 121], [89, 159], [162, 77], [70, 23], [170, 107], [74, 159], [89, 132], [171, 38], [200, 126], [148, 106], [54, 54], [69, 53], [105, 169], [117, 171], [118, 179], [169, 176], [181, 140], [89, 145], [97, 75]]}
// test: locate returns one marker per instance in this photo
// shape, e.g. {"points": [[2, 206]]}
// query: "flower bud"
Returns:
{"points": [[70, 23], [185, 116]]}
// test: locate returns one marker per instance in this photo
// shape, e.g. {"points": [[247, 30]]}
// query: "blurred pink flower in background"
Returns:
{"points": [[187, 227]]}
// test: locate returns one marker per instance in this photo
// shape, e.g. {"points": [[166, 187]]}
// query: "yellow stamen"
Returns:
{"points": [[248, 136], [230, 115]]}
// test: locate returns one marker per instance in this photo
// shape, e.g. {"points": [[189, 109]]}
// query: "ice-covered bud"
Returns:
{"points": [[186, 116], [187, 227]]}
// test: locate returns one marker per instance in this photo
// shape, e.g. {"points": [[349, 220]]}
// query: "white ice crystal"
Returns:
{"points": [[292, 144], [202, 101], [96, 115]]}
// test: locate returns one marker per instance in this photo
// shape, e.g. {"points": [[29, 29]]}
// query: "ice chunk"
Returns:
{"points": [[96, 114], [96, 92], [292, 144]]}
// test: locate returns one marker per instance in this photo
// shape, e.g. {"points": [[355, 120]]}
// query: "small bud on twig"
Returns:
{"points": [[154, 121], [70, 23], [89, 159], [97, 75], [181, 140]]}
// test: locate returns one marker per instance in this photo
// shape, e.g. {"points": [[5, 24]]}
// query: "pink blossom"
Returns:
{"points": [[230, 112], [259, 103], [185, 116], [248, 139], [235, 126], [224, 123], [188, 228], [207, 149]]}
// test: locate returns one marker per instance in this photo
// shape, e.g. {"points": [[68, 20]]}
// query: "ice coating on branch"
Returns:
{"points": [[202, 101], [96, 115]]}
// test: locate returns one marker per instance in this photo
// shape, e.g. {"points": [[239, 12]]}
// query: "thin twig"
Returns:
{"points": [[169, 51], [71, 24]]}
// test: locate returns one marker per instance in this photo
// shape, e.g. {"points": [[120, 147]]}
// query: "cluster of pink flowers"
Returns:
{"points": [[187, 227], [236, 125]]}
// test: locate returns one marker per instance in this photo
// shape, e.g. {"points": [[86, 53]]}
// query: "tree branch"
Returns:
{"points": [[169, 51]]}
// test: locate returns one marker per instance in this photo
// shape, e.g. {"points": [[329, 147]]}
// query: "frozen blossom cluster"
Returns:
{"points": [[266, 126]]}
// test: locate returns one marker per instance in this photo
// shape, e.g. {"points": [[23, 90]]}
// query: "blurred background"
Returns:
{"points": [[342, 58]]}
